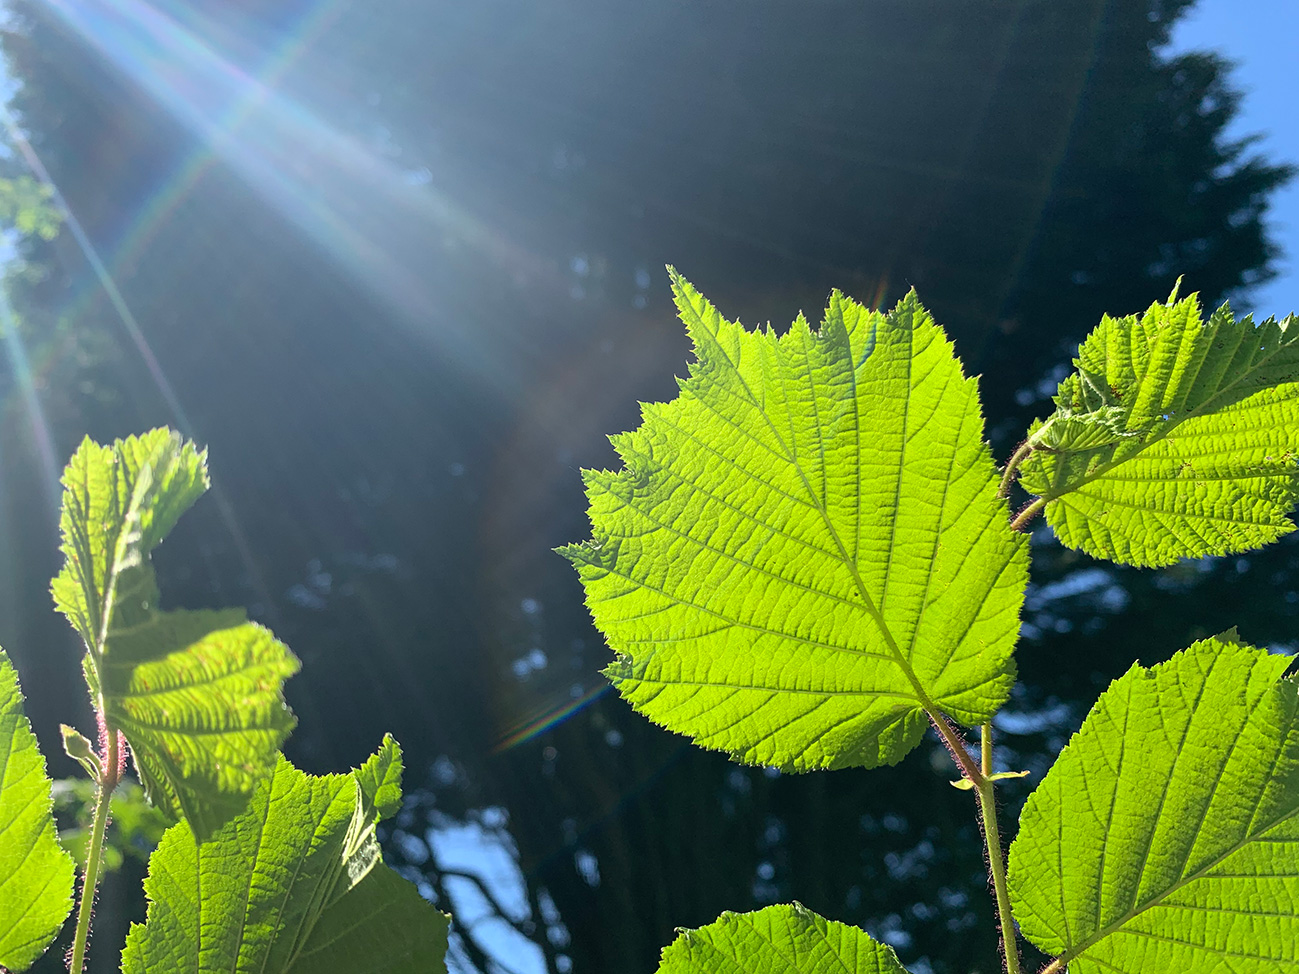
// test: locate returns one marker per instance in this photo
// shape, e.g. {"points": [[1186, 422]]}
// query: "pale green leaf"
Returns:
{"points": [[295, 883], [1175, 438], [35, 873], [196, 694], [1166, 836], [782, 939], [119, 502], [805, 551]]}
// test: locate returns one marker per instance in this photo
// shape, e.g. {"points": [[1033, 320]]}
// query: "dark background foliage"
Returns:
{"points": [[399, 367]]}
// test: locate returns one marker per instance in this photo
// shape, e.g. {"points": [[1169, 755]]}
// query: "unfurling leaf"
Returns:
{"points": [[295, 883], [782, 939], [35, 873], [805, 552], [196, 694], [1175, 438], [1166, 836]]}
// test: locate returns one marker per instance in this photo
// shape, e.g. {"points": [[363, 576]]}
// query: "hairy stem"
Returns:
{"points": [[95, 851], [1027, 514], [1012, 467], [996, 862], [956, 747]]}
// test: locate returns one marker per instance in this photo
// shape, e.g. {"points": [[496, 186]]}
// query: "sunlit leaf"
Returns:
{"points": [[804, 551], [783, 939], [1175, 437], [295, 883], [196, 694], [1166, 836], [35, 873]]}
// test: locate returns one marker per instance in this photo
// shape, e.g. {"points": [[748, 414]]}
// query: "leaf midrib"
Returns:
{"points": [[1150, 904], [922, 697]]}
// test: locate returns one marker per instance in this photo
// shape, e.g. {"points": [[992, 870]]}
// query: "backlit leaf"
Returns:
{"points": [[804, 551], [1175, 438], [35, 873], [1166, 836], [295, 883], [196, 694], [783, 939]]}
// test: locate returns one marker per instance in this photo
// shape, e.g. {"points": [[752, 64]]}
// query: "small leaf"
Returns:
{"points": [[965, 784], [80, 750], [1166, 836], [295, 883], [1003, 775], [196, 694], [119, 502], [805, 551], [1175, 438], [35, 873], [782, 939]]}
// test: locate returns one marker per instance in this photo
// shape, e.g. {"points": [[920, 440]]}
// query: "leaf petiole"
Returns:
{"points": [[1012, 467], [94, 855], [1027, 514]]}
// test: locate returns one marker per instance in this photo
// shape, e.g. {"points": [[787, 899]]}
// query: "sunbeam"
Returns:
{"points": [[338, 193]]}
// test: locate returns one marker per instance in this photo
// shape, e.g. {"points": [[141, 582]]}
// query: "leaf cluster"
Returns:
{"points": [[262, 866], [809, 557]]}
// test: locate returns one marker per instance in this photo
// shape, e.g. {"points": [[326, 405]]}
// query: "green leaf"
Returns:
{"points": [[782, 939], [805, 550], [196, 694], [119, 502], [1175, 438], [295, 883], [35, 873], [1166, 836]]}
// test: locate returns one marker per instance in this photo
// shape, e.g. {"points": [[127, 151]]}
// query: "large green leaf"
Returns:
{"points": [[196, 694], [35, 873], [782, 939], [295, 883], [1166, 836], [1176, 437], [805, 551]]}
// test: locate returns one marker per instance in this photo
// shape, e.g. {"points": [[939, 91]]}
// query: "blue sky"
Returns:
{"points": [[1262, 38]]}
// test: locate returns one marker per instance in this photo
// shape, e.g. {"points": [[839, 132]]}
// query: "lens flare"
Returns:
{"points": [[340, 194], [544, 718]]}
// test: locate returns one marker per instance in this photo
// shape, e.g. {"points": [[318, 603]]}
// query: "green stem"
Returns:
{"points": [[1027, 514], [95, 852], [996, 863], [1012, 467]]}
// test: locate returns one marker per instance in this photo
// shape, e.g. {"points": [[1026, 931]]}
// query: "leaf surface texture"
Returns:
{"points": [[804, 551], [782, 939], [1166, 836], [295, 883], [196, 694], [35, 873], [1175, 437]]}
